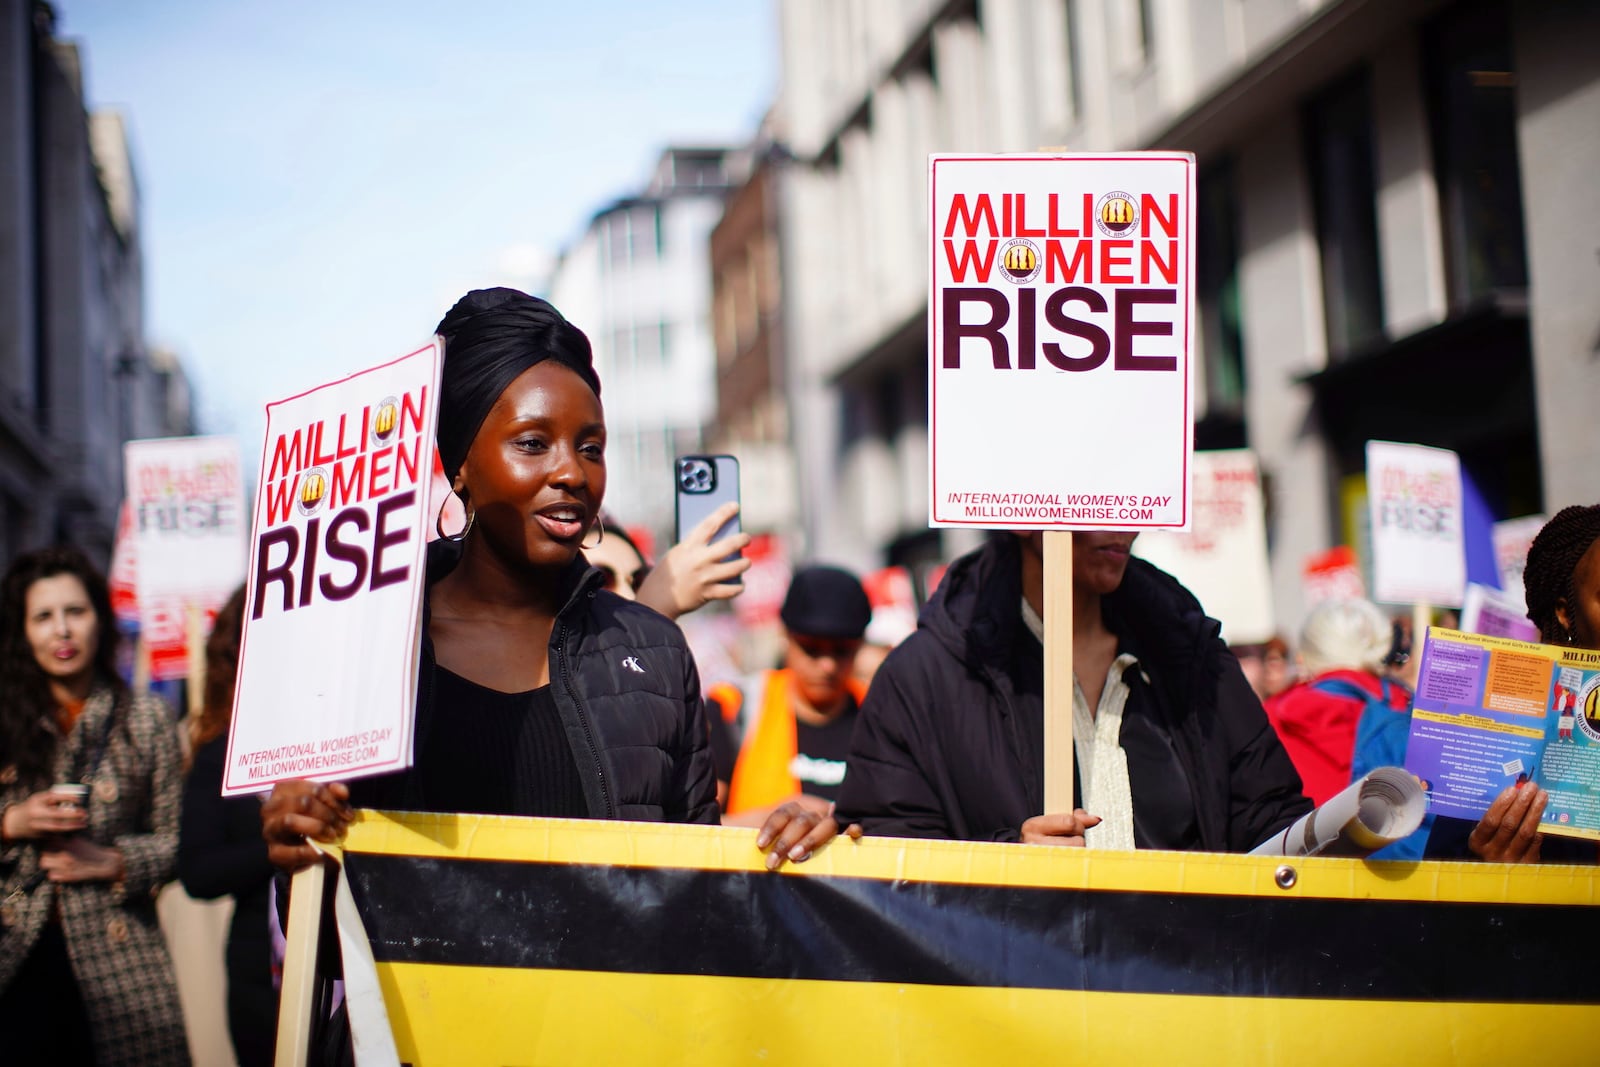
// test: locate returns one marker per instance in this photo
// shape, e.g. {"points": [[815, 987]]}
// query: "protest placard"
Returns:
{"points": [[186, 552], [894, 605], [1489, 611], [1511, 540], [1223, 558], [1414, 497], [1331, 575], [327, 670], [766, 583], [1059, 324], [123, 577]]}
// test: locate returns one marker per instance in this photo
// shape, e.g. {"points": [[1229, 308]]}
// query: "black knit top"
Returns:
{"points": [[500, 754]]}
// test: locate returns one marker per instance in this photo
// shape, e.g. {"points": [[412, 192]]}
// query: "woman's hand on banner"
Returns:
{"points": [[1058, 829], [1509, 830], [298, 810], [796, 829]]}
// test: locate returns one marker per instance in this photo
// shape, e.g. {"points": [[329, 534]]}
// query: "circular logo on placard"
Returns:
{"points": [[384, 420], [1116, 214], [1020, 261], [313, 490], [1589, 708]]}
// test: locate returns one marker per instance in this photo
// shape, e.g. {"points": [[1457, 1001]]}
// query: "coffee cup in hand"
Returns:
{"points": [[71, 794]]}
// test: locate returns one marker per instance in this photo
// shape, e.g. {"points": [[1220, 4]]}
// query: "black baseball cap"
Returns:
{"points": [[826, 602]]}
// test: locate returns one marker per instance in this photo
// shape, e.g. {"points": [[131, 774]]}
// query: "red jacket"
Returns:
{"points": [[1319, 729]]}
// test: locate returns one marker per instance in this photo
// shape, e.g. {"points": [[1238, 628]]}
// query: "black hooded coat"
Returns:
{"points": [[950, 741]]}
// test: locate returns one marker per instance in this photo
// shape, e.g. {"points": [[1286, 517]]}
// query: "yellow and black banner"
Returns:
{"points": [[523, 941]]}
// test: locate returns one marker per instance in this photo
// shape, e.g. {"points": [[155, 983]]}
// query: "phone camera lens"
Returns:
{"points": [[696, 476]]}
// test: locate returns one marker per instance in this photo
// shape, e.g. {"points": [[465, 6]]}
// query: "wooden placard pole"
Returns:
{"points": [[1057, 671], [1057, 657], [195, 647], [141, 663], [297, 1003]]}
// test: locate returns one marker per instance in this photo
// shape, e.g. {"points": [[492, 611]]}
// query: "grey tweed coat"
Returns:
{"points": [[117, 949]]}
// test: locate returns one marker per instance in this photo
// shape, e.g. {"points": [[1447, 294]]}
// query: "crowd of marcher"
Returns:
{"points": [[1181, 742]]}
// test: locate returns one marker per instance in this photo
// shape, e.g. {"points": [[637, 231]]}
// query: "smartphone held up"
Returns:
{"points": [[702, 484]]}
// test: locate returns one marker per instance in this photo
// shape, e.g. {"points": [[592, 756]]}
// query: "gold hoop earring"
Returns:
{"points": [[438, 520], [599, 540]]}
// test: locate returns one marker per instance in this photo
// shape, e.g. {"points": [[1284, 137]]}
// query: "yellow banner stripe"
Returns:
{"points": [[483, 1015], [581, 841]]}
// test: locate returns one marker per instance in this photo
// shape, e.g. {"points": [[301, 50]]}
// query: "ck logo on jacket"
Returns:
{"points": [[633, 665]]}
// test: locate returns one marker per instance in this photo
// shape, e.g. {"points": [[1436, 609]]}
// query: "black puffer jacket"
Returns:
{"points": [[638, 735], [950, 741]]}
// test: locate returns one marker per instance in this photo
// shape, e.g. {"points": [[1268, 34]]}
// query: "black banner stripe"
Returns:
{"points": [[654, 920]]}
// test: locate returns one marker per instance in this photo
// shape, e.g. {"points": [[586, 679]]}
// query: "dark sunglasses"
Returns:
{"points": [[827, 648]]}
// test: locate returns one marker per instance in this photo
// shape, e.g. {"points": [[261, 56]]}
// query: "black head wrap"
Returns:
{"points": [[1554, 555], [491, 337]]}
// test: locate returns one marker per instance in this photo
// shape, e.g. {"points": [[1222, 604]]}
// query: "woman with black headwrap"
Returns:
{"points": [[538, 693], [1562, 583]]}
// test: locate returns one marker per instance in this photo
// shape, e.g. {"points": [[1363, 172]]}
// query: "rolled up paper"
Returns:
{"points": [[1376, 810]]}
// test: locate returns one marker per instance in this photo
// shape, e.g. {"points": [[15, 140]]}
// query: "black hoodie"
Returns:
{"points": [[949, 743]]}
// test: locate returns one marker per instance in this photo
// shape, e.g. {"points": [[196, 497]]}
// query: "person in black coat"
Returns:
{"points": [[950, 741], [221, 853], [539, 693]]}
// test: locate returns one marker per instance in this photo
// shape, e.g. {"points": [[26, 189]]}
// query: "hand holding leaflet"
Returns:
{"points": [[1377, 810]]}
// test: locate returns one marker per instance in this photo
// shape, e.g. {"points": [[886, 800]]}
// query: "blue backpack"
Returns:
{"points": [[1381, 735]]}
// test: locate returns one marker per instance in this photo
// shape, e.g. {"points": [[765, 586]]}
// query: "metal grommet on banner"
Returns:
{"points": [[1285, 876]]}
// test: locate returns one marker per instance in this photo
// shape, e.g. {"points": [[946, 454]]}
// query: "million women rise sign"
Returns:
{"points": [[327, 671], [1059, 338], [183, 541]]}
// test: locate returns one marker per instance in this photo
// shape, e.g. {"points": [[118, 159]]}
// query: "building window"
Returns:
{"points": [[644, 232], [724, 303], [623, 357], [616, 242], [1472, 109], [634, 236], [1217, 290], [646, 346], [1074, 76], [1133, 37], [1338, 129]]}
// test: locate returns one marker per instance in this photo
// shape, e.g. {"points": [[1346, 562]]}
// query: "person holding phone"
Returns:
{"points": [[538, 693], [84, 971], [692, 573], [797, 720]]}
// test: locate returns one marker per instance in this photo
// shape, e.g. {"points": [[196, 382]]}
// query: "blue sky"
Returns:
{"points": [[320, 182]]}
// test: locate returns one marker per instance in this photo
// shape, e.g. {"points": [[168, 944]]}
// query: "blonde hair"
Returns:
{"points": [[1345, 635]]}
